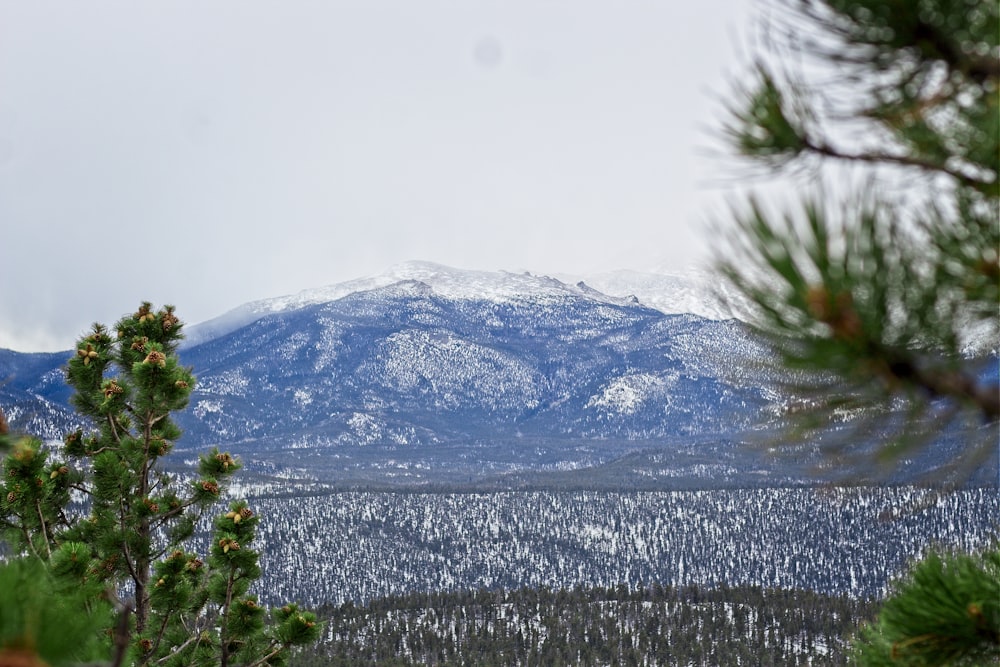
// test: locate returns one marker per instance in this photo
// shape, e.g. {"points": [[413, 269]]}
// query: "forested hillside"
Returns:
{"points": [[364, 546], [593, 626]]}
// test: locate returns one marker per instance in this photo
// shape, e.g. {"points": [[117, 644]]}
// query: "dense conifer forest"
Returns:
{"points": [[592, 626], [362, 546]]}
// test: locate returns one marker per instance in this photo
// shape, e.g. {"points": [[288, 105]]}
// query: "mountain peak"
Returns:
{"points": [[669, 293]]}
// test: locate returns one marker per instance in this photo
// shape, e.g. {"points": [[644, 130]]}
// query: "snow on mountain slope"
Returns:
{"points": [[671, 293], [694, 292]]}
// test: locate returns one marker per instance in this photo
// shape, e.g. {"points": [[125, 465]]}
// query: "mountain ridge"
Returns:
{"points": [[670, 293], [433, 375]]}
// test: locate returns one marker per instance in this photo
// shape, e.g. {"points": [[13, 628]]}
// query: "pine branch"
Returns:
{"points": [[947, 611], [825, 149]]}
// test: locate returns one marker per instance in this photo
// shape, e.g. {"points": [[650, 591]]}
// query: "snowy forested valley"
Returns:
{"points": [[361, 546], [595, 626], [780, 574]]}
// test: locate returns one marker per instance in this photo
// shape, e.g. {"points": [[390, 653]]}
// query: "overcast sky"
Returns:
{"points": [[209, 153]]}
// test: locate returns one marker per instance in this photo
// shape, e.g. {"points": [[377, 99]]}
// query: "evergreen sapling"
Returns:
{"points": [[125, 541]]}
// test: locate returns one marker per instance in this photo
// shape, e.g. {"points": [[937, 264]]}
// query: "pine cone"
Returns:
{"points": [[156, 357], [87, 353]]}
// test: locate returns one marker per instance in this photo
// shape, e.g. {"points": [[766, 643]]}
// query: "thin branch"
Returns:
{"points": [[125, 548], [44, 528], [260, 661], [194, 639], [159, 635], [881, 158], [121, 637], [114, 429], [224, 626], [962, 387], [27, 538], [161, 519], [101, 451]]}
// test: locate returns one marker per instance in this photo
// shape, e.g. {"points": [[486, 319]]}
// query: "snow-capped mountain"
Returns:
{"points": [[692, 292], [428, 355], [469, 369], [668, 292]]}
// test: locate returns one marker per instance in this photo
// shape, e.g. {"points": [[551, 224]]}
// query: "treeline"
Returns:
{"points": [[592, 626]]}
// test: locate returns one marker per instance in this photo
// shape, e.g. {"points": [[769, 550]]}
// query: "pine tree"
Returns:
{"points": [[128, 542], [879, 299], [877, 295], [946, 612]]}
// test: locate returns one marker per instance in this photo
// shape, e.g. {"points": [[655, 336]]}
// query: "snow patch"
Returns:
{"points": [[203, 408], [227, 383], [626, 394]]}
